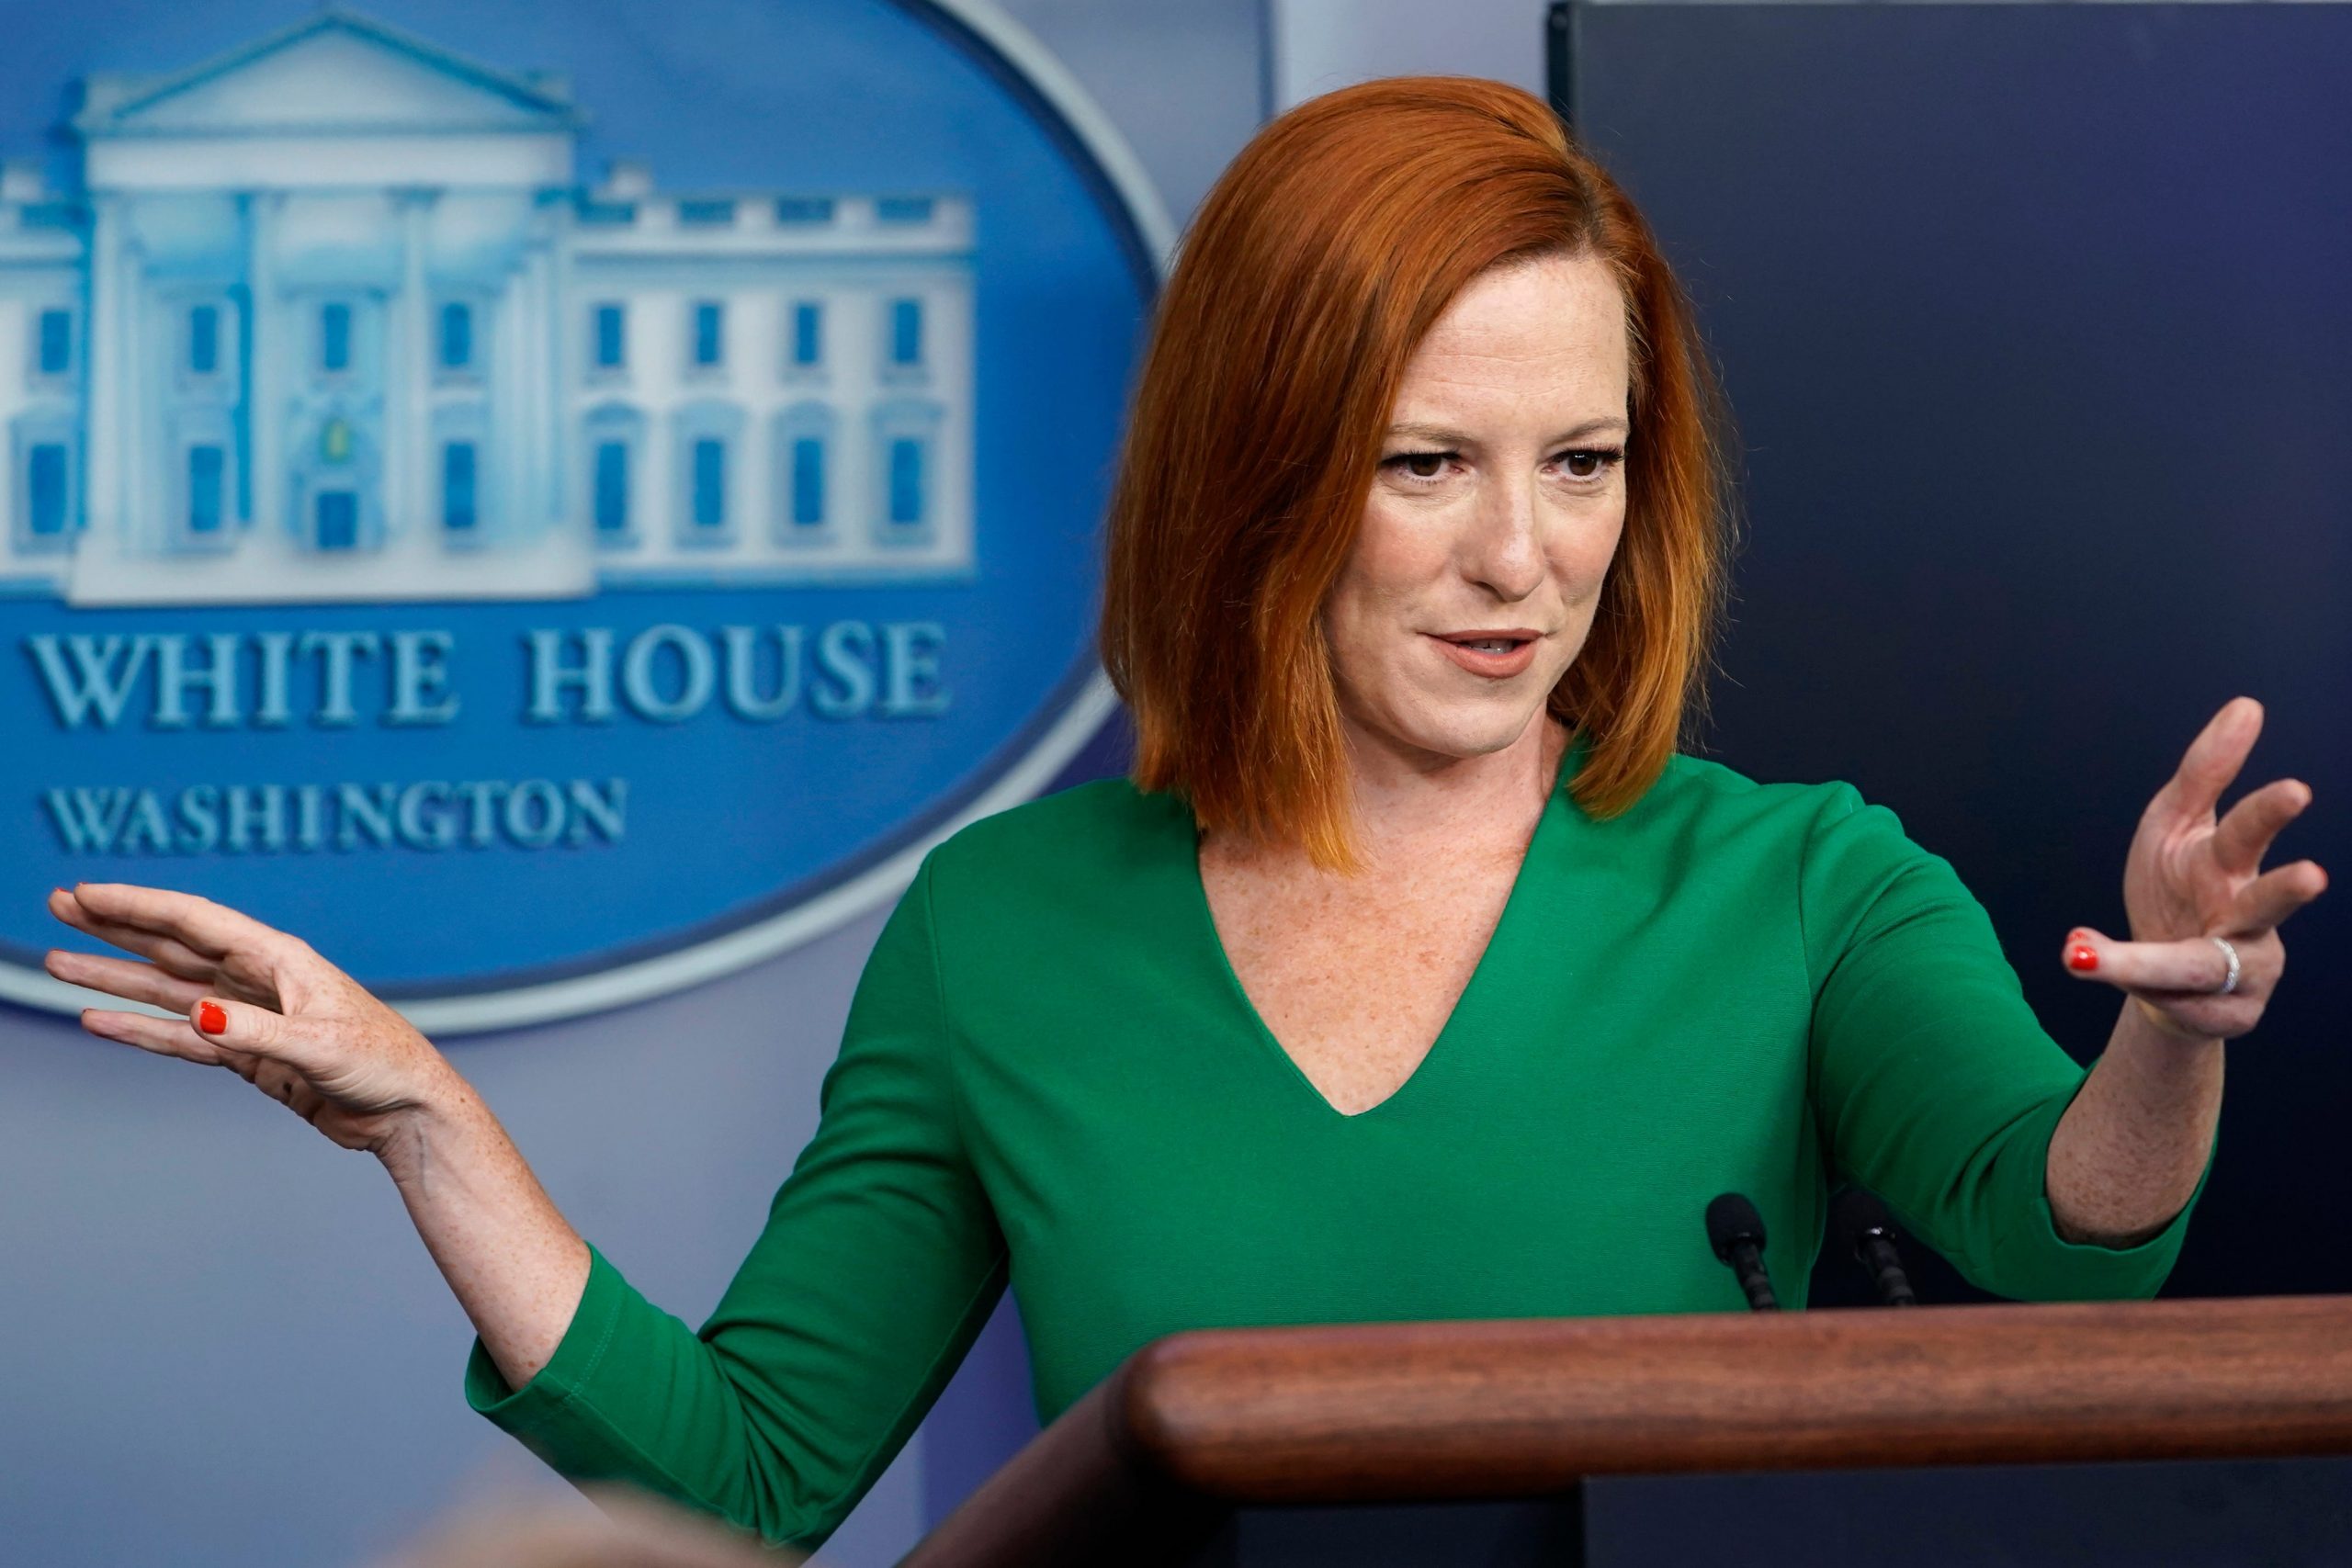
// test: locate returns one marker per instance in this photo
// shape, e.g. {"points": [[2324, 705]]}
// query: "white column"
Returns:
{"points": [[510, 398], [530, 304], [266, 412], [102, 347], [144, 525], [523, 319], [411, 512], [552, 371]]}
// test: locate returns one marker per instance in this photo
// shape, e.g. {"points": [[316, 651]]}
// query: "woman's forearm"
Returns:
{"points": [[516, 1265], [2127, 1153]]}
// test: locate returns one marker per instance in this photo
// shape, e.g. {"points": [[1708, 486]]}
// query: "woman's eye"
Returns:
{"points": [[1589, 462], [1421, 465], [1583, 463]]}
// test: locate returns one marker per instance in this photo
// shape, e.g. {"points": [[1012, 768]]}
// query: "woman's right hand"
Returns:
{"points": [[288, 1022]]}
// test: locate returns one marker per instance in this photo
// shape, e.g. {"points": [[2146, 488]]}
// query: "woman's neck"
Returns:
{"points": [[1411, 803]]}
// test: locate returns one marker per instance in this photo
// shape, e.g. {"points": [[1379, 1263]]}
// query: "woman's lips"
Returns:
{"points": [[1494, 666]]}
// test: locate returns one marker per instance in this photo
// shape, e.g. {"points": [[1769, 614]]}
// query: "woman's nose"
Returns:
{"points": [[1503, 550]]}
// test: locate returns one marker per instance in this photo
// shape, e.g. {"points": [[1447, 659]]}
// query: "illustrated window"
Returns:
{"points": [[709, 347], [609, 351], [205, 468], [459, 512]]}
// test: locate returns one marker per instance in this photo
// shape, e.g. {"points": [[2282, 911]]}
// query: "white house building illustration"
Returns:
{"points": [[330, 317]]}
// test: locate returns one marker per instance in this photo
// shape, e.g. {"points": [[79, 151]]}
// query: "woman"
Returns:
{"points": [[1414, 974]]}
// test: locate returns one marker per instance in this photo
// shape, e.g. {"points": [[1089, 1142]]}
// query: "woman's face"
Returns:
{"points": [[1500, 495]]}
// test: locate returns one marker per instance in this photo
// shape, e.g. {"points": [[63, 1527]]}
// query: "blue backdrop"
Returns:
{"points": [[725, 820]]}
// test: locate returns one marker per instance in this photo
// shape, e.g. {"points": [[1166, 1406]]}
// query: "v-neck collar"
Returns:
{"points": [[1557, 807]]}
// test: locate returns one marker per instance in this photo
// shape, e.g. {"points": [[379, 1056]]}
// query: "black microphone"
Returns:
{"points": [[1737, 1233], [1866, 1229]]}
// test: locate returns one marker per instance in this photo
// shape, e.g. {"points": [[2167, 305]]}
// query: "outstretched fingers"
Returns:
{"points": [[163, 1036], [259, 1045], [168, 952], [2264, 903], [2244, 836], [122, 977], [2211, 761], [215, 930]]}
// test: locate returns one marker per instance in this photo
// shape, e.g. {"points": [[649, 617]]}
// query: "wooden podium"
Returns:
{"points": [[1383, 1442]]}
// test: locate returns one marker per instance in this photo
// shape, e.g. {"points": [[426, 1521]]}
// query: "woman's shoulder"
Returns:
{"points": [[1702, 790], [1827, 829], [1100, 833]]}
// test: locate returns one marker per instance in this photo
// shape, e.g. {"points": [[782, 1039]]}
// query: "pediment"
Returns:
{"points": [[338, 72]]}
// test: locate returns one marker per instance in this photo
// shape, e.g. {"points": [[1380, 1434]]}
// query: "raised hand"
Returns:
{"points": [[254, 1000], [2190, 877]]}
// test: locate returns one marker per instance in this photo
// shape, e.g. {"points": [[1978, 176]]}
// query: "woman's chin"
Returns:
{"points": [[1460, 731]]}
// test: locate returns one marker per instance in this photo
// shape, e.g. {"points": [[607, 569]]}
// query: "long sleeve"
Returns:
{"points": [[1934, 1085], [879, 1263]]}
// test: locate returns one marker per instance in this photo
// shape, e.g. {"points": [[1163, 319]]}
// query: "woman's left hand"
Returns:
{"points": [[2190, 877]]}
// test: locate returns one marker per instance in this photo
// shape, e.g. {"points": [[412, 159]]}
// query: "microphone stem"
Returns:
{"points": [[1885, 1265], [1747, 1261]]}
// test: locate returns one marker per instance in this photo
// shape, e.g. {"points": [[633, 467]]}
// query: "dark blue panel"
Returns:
{"points": [[612, 337], [457, 335], [338, 520], [906, 332], [808, 480], [711, 340], [49, 484], [906, 480], [203, 340], [612, 487], [334, 337], [2034, 319], [710, 483], [204, 472], [458, 511], [56, 341]]}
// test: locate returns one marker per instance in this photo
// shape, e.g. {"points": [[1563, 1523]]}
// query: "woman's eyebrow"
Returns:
{"points": [[1436, 432], [1606, 424]]}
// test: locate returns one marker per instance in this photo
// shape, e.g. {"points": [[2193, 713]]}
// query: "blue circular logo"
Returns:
{"points": [[551, 505]]}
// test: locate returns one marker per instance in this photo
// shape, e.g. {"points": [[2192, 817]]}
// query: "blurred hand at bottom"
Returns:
{"points": [[635, 1530]]}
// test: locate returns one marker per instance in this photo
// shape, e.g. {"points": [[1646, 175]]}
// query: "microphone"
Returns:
{"points": [[1863, 1225], [1737, 1233]]}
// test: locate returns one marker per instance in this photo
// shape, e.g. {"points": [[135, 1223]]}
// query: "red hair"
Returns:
{"points": [[1323, 255]]}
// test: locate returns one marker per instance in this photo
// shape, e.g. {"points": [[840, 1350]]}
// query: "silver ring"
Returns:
{"points": [[2231, 954]]}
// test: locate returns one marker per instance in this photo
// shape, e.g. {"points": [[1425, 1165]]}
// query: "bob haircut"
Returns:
{"points": [[1312, 271]]}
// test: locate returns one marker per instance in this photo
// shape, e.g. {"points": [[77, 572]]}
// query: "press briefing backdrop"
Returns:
{"points": [[2031, 315], [406, 521]]}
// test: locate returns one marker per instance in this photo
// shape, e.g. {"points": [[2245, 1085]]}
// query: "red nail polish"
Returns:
{"points": [[210, 1019], [2082, 960]]}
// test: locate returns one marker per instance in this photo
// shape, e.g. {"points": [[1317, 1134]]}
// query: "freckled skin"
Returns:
{"points": [[1355, 976]]}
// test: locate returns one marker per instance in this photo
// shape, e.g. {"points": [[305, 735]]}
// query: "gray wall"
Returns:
{"points": [[1322, 44]]}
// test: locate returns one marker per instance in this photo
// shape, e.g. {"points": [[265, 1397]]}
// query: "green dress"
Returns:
{"points": [[1051, 1078]]}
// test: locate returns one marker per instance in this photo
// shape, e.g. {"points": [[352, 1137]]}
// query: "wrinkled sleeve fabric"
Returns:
{"points": [[880, 1260], [1934, 1084]]}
